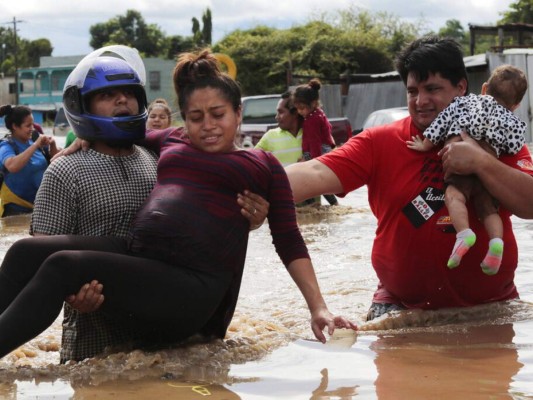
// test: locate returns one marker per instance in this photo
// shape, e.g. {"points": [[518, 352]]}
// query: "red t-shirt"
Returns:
{"points": [[414, 236]]}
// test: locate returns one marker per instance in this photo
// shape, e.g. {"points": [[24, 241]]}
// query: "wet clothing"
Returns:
{"points": [[483, 118], [94, 194], [78, 187], [22, 184], [179, 271], [414, 234], [163, 302], [317, 132]]}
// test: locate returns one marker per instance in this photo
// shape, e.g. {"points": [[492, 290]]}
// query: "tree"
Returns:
{"points": [[28, 52], [266, 57], [130, 30], [202, 37], [178, 44], [207, 29], [521, 11], [37, 49], [453, 29]]}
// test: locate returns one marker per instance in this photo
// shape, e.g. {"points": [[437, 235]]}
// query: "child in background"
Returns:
{"points": [[489, 119], [317, 138], [159, 115]]}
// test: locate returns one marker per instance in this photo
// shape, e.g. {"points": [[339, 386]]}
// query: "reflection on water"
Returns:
{"points": [[482, 352]]}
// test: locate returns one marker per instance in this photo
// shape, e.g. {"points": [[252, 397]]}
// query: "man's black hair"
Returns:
{"points": [[289, 103], [431, 55]]}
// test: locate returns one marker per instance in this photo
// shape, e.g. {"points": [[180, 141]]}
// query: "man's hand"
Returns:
{"points": [[88, 299], [463, 157], [254, 208]]}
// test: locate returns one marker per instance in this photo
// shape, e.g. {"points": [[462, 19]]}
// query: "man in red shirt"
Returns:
{"points": [[414, 234]]}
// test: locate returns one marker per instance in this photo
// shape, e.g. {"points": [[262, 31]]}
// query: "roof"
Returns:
{"points": [[477, 60]]}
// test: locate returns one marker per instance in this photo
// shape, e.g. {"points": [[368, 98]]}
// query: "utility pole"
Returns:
{"points": [[15, 58], [15, 50]]}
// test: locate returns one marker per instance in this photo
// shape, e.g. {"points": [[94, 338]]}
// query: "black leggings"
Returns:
{"points": [[38, 273]]}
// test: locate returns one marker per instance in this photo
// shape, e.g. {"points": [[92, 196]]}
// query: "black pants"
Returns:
{"points": [[38, 273]]}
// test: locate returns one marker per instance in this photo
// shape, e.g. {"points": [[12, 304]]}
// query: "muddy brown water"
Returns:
{"points": [[269, 352]]}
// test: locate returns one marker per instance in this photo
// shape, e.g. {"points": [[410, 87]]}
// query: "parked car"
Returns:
{"points": [[61, 126], [259, 115], [383, 117]]}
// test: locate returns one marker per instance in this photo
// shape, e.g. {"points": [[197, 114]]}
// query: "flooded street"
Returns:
{"points": [[269, 352]]}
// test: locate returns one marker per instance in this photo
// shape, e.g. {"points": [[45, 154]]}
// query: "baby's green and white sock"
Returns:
{"points": [[465, 240], [493, 259]]}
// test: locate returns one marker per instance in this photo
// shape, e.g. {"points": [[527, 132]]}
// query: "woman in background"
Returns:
{"points": [[23, 160], [159, 115]]}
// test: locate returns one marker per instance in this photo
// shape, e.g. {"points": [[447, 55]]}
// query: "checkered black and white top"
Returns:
{"points": [[90, 193]]}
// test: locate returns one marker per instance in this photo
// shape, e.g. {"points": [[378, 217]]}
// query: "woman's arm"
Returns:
{"points": [[303, 274], [19, 161]]}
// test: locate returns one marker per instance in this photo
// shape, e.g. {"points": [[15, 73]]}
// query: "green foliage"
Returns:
{"points": [[28, 52], [521, 11], [202, 36], [130, 30], [178, 44], [326, 47], [453, 29], [260, 59], [36, 49]]}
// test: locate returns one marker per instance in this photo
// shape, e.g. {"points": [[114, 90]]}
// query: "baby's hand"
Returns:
{"points": [[416, 143]]}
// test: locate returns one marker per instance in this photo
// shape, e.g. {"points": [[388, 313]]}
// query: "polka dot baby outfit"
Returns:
{"points": [[483, 119]]}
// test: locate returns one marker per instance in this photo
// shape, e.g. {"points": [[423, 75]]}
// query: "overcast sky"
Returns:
{"points": [[66, 23]]}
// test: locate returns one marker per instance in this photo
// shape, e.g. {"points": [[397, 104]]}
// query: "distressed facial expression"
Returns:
{"points": [[114, 102], [158, 119], [211, 121]]}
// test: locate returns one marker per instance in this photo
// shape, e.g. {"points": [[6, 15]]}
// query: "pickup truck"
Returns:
{"points": [[259, 115]]}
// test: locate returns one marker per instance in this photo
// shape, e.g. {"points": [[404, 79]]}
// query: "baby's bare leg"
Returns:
{"points": [[456, 195], [487, 212]]}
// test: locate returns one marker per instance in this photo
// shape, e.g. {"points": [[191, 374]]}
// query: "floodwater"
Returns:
{"points": [[484, 352]]}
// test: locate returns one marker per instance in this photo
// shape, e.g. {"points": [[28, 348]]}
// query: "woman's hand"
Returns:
{"points": [[322, 317], [76, 145], [43, 140], [254, 208], [88, 299]]}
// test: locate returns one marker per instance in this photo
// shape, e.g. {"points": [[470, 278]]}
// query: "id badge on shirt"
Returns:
{"points": [[424, 206]]}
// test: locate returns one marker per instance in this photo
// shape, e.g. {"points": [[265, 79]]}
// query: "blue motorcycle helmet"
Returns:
{"points": [[106, 68]]}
